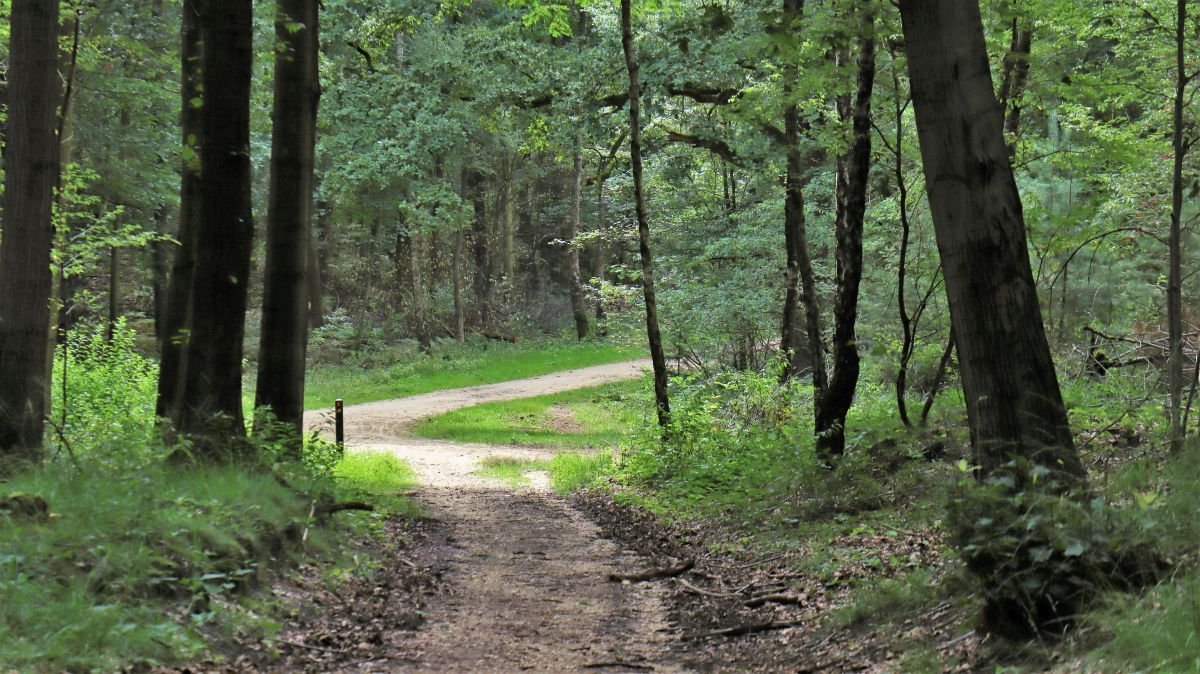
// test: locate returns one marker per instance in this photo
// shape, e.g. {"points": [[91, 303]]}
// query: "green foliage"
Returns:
{"points": [[377, 476], [1042, 555], [103, 395]]}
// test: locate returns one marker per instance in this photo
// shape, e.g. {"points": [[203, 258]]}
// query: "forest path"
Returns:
{"points": [[526, 580]]}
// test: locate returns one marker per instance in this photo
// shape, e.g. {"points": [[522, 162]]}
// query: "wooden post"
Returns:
{"points": [[339, 426]]}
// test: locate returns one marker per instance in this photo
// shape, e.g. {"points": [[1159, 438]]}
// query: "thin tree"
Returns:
{"points": [[853, 171], [211, 402], [571, 231], [283, 346], [1014, 406], [657, 357], [1180, 146], [31, 173]]}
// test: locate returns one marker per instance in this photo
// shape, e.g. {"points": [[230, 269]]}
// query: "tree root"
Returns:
{"points": [[654, 574]]}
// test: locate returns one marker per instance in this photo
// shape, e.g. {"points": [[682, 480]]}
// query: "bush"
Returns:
{"points": [[1041, 555]]}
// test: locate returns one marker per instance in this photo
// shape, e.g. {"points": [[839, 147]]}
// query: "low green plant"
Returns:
{"points": [[570, 471], [378, 476]]}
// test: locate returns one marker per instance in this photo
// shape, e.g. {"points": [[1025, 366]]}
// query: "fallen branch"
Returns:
{"points": [[297, 644], [777, 598], [653, 574], [754, 628], [625, 665], [707, 593], [330, 508]]}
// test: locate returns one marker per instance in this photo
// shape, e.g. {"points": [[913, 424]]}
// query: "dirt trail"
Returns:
{"points": [[527, 581]]}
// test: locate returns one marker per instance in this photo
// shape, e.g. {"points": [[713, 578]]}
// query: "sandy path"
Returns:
{"points": [[527, 572]]}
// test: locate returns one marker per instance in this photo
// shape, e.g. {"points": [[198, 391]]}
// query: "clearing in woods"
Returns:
{"points": [[526, 574]]}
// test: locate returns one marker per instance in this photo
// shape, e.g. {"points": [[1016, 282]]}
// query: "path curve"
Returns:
{"points": [[527, 580]]}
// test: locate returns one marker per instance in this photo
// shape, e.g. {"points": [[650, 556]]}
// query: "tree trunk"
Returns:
{"points": [[1175, 272], [657, 357], [460, 311], [285, 317], [173, 337], [479, 248], [578, 308], [908, 339], [800, 286], [114, 292], [853, 173], [32, 171], [211, 406], [420, 322], [1014, 406], [1016, 73]]}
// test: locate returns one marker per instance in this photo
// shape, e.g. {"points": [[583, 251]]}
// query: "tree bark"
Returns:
{"points": [[1175, 271], [578, 308], [853, 173], [114, 293], [481, 282], [657, 356], [211, 406], [1014, 406], [285, 318], [800, 285], [1016, 73], [174, 336], [32, 171], [460, 311], [421, 325]]}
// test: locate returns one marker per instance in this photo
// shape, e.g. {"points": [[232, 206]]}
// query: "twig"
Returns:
{"points": [[754, 628], [654, 574], [778, 598], [760, 562], [708, 593], [626, 665]]}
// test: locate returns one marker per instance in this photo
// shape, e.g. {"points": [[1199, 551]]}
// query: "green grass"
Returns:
{"points": [[568, 470], [593, 417], [454, 366], [378, 477], [510, 470]]}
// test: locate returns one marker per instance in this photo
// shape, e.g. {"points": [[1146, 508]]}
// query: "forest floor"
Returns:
{"points": [[505, 576]]}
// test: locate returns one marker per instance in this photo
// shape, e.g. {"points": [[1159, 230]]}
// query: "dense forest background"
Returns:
{"points": [[739, 185]]}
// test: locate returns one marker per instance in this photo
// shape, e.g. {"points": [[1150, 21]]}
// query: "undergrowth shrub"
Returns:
{"points": [[1041, 555]]}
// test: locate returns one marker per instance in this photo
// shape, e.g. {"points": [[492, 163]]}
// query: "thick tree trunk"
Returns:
{"points": [[657, 356], [173, 336], [578, 308], [285, 318], [211, 406], [853, 173], [1014, 406], [31, 163]]}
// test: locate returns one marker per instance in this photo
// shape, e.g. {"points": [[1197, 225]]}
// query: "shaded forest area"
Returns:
{"points": [[923, 267]]}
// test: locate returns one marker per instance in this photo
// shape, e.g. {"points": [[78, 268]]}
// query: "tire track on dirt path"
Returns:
{"points": [[526, 585]]}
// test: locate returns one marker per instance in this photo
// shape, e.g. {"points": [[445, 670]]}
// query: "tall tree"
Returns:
{"points": [[173, 334], [31, 173], [853, 171], [289, 214], [1180, 146], [657, 356], [578, 308], [1014, 406], [211, 403]]}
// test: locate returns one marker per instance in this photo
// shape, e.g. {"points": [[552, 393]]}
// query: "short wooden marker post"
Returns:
{"points": [[339, 422]]}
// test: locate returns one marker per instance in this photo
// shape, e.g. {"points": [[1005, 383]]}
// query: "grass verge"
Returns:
{"points": [[407, 373], [598, 416]]}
